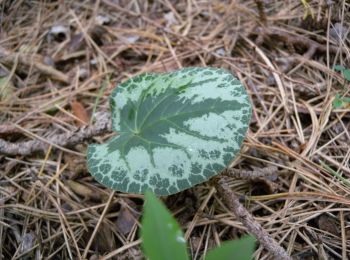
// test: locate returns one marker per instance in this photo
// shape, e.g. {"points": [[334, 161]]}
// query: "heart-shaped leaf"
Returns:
{"points": [[175, 130]]}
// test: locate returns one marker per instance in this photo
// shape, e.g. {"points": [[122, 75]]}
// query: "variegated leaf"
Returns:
{"points": [[175, 130]]}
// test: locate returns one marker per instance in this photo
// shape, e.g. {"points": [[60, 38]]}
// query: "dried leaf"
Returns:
{"points": [[76, 42], [126, 219], [80, 112], [105, 241], [6, 89], [28, 241], [76, 166], [83, 190], [328, 224], [98, 34]]}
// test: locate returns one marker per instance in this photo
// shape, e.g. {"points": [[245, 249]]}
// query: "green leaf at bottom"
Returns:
{"points": [[161, 235], [241, 249]]}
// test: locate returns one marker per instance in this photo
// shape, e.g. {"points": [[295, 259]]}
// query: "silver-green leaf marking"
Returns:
{"points": [[175, 130]]}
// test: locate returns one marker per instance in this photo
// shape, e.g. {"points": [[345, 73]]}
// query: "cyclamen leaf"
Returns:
{"points": [[175, 130]]}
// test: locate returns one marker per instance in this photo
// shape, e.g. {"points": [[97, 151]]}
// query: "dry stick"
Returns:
{"points": [[270, 171], [261, 9], [8, 129], [232, 202], [276, 33], [102, 126]]}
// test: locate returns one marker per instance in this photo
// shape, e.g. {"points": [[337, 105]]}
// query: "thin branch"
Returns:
{"points": [[276, 33], [232, 202], [102, 126], [257, 173]]}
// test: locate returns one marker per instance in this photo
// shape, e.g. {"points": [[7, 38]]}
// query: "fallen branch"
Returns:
{"points": [[8, 129], [102, 126], [232, 202], [297, 40], [270, 172]]}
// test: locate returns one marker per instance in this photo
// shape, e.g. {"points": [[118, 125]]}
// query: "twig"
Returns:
{"points": [[296, 39], [102, 126], [8, 129], [270, 171], [232, 202], [261, 10]]}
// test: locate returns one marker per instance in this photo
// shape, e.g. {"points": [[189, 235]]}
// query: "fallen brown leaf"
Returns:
{"points": [[80, 112], [126, 219], [83, 190]]}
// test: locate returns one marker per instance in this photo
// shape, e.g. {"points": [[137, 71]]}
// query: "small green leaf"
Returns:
{"points": [[161, 235], [346, 74], [346, 99], [339, 68], [241, 249], [337, 102]]}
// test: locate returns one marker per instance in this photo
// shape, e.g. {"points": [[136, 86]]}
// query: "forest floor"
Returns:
{"points": [[59, 62]]}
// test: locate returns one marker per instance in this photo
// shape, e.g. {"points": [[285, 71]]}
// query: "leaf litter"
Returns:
{"points": [[283, 52]]}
